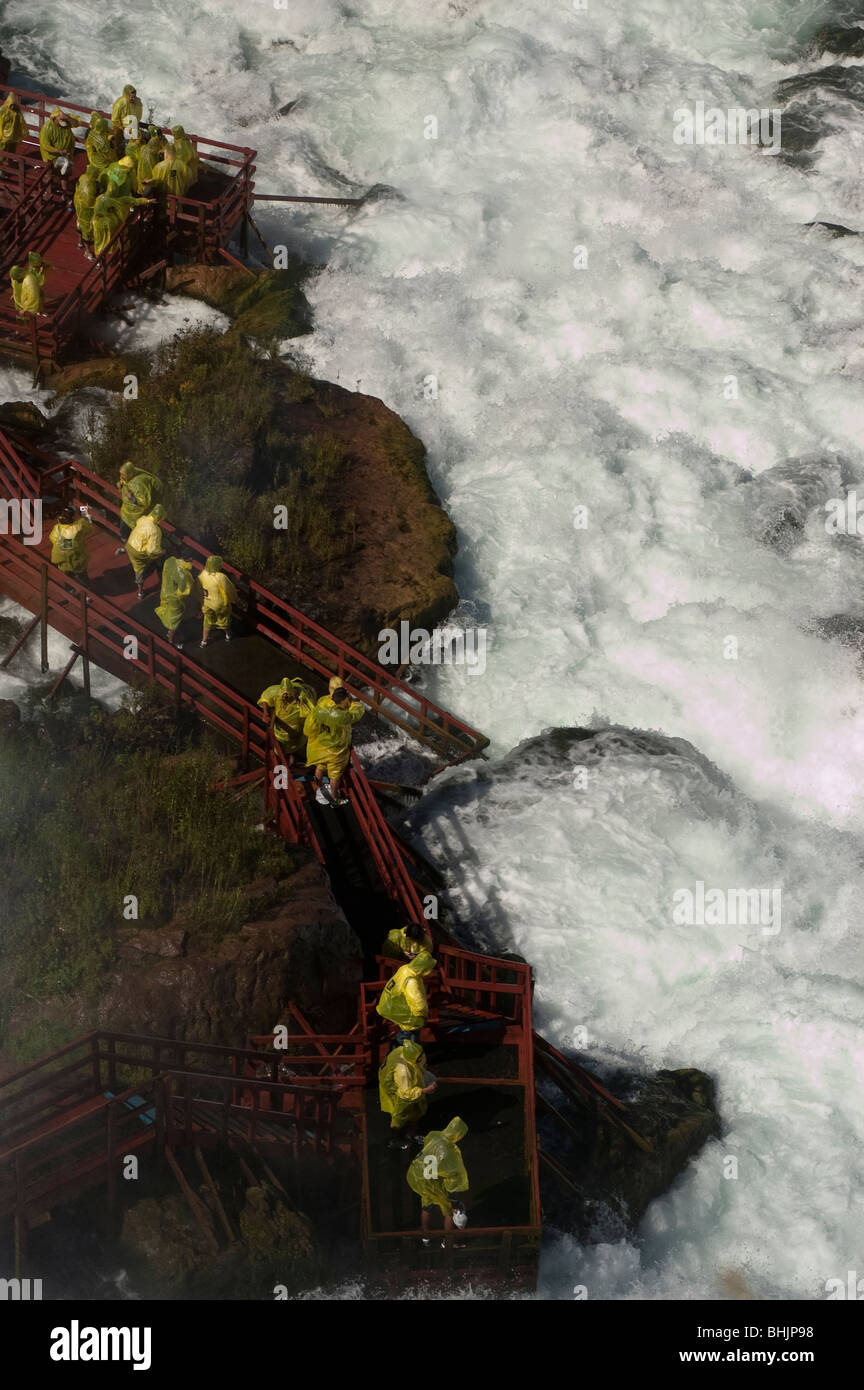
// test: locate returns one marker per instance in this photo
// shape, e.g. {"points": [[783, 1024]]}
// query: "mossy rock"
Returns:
{"points": [[276, 314], [266, 304], [270, 1229]]}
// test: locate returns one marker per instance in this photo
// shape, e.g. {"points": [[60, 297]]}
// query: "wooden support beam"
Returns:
{"points": [[63, 674], [43, 614], [232, 260], [549, 1109], [214, 1193], [85, 643], [560, 1173], [196, 1206]]}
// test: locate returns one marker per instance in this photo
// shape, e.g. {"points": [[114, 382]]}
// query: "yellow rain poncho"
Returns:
{"points": [[86, 193], [400, 1085], [145, 544], [36, 266], [177, 593], [13, 127], [398, 945], [16, 276], [219, 594], [133, 152], [118, 178], [100, 144], [109, 214], [290, 713], [185, 151], [328, 729], [56, 138], [138, 493], [129, 104], [171, 175], [150, 155], [403, 999], [440, 1156], [68, 545], [30, 298]]}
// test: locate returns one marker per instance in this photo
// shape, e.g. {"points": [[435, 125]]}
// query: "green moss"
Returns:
{"points": [[38, 1039], [277, 314], [265, 305]]}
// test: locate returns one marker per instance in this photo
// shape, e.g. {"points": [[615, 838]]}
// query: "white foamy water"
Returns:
{"points": [[607, 388], [25, 670]]}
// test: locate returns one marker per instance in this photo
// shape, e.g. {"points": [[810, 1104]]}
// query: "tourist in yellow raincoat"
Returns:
{"points": [[288, 704], [13, 127], [127, 106], [100, 143], [403, 1085], [138, 492], [186, 152], [437, 1173], [403, 999], [109, 214], [68, 542], [404, 942], [329, 731], [145, 546], [177, 595], [56, 138], [171, 174], [151, 154], [133, 152], [119, 177], [16, 276], [219, 598], [36, 266], [86, 193], [27, 289]]}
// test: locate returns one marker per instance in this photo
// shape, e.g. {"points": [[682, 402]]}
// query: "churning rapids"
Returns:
{"points": [[607, 387]]}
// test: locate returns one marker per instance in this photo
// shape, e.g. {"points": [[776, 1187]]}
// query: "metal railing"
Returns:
{"points": [[298, 636]]}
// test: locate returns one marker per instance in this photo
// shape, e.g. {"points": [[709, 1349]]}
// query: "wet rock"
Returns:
{"points": [[834, 38], [264, 305], [23, 418], [175, 1251], [263, 889], [164, 1235], [402, 567], [845, 629], [104, 372], [270, 1228], [10, 715], [167, 942], [615, 1176], [834, 229], [300, 948], [780, 499]]}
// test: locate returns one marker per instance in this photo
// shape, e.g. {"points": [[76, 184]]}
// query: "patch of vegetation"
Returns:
{"points": [[94, 811], [210, 420], [26, 1044]]}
